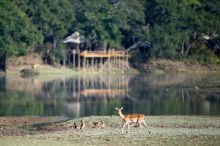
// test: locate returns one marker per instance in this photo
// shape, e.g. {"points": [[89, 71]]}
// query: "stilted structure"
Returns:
{"points": [[74, 41], [95, 57]]}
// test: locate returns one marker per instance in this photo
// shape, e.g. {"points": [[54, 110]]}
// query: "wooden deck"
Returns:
{"points": [[113, 92], [102, 54]]}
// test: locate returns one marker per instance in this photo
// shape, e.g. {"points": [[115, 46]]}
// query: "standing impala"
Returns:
{"points": [[131, 118]]}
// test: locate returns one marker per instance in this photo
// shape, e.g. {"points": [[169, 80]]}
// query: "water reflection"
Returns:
{"points": [[98, 95]]}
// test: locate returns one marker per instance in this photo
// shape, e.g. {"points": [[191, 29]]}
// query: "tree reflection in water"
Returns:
{"points": [[98, 95]]}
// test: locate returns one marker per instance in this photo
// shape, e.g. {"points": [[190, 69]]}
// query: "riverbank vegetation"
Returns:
{"points": [[178, 30]]}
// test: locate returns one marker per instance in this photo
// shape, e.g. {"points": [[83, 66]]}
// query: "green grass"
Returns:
{"points": [[49, 72], [165, 130]]}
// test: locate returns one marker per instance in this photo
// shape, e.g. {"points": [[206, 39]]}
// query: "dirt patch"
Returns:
{"points": [[12, 126], [29, 59], [162, 65], [19, 121]]}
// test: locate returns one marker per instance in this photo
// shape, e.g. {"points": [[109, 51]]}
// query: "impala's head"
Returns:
{"points": [[119, 109]]}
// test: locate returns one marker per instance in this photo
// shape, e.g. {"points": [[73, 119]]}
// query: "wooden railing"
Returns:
{"points": [[103, 54], [112, 92]]}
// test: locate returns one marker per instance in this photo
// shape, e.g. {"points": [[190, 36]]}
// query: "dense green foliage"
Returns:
{"points": [[17, 33], [173, 29], [178, 28]]}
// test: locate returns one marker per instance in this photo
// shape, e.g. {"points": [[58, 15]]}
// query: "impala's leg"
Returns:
{"points": [[127, 123], [128, 126], [139, 123], [146, 125]]}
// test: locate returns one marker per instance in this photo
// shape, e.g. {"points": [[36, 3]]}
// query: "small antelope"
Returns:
{"points": [[75, 126], [82, 125], [102, 124], [35, 66], [95, 124], [131, 118]]}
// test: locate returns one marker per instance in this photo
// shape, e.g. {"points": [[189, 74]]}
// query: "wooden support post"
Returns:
{"points": [[68, 58], [96, 64], [78, 52], [92, 63], [84, 62], [73, 58], [101, 62], [87, 63], [74, 63]]}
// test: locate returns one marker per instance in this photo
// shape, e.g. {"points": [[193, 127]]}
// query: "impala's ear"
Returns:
{"points": [[119, 109]]}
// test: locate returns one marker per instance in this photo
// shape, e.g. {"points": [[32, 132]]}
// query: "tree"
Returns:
{"points": [[53, 18], [171, 29], [110, 21], [177, 28], [17, 33]]}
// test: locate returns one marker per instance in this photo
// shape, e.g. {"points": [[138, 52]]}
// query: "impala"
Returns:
{"points": [[131, 118]]}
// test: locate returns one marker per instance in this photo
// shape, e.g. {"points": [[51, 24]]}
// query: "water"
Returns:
{"points": [[171, 94]]}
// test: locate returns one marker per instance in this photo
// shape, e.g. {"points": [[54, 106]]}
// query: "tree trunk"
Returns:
{"points": [[5, 62], [187, 50], [54, 47], [182, 46]]}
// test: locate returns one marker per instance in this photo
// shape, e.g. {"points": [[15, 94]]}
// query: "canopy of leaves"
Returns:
{"points": [[174, 29], [178, 27], [17, 33]]}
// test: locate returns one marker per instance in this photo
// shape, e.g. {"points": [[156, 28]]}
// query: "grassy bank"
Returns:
{"points": [[155, 66], [160, 66], [34, 61], [164, 130]]}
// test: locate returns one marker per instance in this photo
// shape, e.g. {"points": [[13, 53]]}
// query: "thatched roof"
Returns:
{"points": [[75, 38]]}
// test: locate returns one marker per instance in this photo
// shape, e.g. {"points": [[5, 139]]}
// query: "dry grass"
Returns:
{"points": [[164, 130]]}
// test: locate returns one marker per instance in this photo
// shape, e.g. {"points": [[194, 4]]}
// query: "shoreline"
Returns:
{"points": [[155, 66], [161, 66]]}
